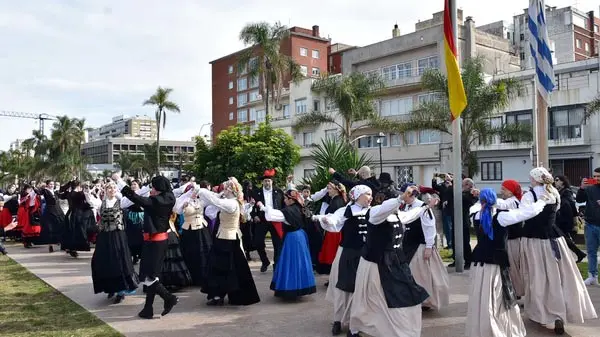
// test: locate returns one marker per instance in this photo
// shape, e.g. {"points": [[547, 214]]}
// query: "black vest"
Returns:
{"points": [[515, 231], [492, 251], [354, 232], [383, 238], [541, 226], [413, 232]]}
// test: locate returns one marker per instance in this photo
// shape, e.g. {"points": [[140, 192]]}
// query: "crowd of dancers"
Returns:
{"points": [[377, 243]]}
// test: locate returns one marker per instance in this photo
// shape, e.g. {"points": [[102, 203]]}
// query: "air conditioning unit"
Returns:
{"points": [[278, 106]]}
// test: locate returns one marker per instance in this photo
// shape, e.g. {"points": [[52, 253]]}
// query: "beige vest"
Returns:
{"points": [[229, 229], [194, 217]]}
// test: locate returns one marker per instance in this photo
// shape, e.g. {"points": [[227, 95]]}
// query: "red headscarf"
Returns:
{"points": [[514, 187]]}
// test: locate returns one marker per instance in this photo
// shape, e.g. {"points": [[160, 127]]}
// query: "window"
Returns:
{"points": [[405, 70], [427, 63], [429, 137], [587, 47], [428, 98], [395, 139], [491, 170], [286, 111], [316, 72], [253, 63], [242, 115], [242, 84], [309, 173], [522, 37], [396, 107], [316, 105], [303, 51], [242, 99], [330, 104], [566, 124], [522, 56], [230, 100], [231, 116], [254, 82], [260, 116], [390, 73], [242, 69], [254, 96], [331, 134], [578, 43], [370, 141], [230, 70], [301, 106], [230, 84], [596, 29], [411, 138], [404, 174], [304, 70], [315, 54], [307, 139]]}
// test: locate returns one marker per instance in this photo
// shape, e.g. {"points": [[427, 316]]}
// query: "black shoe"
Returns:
{"points": [[111, 295], [248, 257], [425, 309], [559, 327], [74, 253], [349, 334], [50, 249], [468, 266], [119, 299], [215, 302], [169, 299], [264, 267], [326, 284], [148, 311], [336, 329], [580, 257]]}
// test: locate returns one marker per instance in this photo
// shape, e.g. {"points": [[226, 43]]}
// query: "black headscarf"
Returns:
{"points": [[161, 184]]}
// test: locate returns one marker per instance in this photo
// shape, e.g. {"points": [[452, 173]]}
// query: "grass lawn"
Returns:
{"points": [[29, 307]]}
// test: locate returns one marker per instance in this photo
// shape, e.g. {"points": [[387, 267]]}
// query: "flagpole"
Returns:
{"points": [[459, 258], [536, 145], [542, 131]]}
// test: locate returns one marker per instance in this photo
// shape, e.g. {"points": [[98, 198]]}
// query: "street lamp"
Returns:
{"points": [[380, 138]]}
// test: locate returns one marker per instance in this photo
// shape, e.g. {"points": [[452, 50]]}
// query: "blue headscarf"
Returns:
{"points": [[487, 197], [405, 186]]}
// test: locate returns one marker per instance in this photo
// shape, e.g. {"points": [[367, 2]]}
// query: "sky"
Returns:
{"points": [[96, 59]]}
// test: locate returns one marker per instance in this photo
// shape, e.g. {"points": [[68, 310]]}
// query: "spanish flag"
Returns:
{"points": [[456, 91]]}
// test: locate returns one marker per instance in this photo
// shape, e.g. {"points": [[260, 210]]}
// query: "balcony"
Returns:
{"points": [[558, 136]]}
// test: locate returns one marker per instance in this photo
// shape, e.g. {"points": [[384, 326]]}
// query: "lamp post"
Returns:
{"points": [[380, 138]]}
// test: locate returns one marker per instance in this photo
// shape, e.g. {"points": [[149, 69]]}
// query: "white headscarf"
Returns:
{"points": [[359, 190], [542, 176]]}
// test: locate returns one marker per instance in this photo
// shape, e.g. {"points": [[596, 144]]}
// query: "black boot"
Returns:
{"points": [[336, 329], [169, 299], [559, 327], [148, 311]]}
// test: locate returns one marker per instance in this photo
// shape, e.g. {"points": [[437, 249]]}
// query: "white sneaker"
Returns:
{"points": [[591, 281]]}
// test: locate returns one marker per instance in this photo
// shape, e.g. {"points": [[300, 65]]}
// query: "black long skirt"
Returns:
{"points": [[53, 225], [174, 270], [77, 226], [112, 269], [134, 229], [229, 274], [247, 230], [195, 247]]}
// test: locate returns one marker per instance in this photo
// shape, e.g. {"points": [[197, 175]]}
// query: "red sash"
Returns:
{"points": [[279, 228]]}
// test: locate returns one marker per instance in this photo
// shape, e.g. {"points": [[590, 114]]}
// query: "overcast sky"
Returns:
{"points": [[101, 58]]}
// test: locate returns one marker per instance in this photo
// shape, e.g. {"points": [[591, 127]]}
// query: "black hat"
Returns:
{"points": [[385, 177], [161, 184]]}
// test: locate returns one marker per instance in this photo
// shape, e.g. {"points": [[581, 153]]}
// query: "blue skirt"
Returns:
{"points": [[293, 275]]}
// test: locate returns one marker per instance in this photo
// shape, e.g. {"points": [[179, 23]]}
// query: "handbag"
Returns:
{"points": [[578, 223]]}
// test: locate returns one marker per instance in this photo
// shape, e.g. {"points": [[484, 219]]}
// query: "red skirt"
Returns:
{"points": [[27, 230], [331, 242], [5, 217]]}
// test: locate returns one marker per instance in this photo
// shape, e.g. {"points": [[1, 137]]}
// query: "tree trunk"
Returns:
{"points": [[158, 142]]}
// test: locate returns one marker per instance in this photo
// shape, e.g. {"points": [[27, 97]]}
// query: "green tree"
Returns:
{"points": [[484, 101], [131, 164], [240, 154], [592, 108], [265, 61], [161, 101], [64, 155], [338, 155], [354, 97], [151, 161]]}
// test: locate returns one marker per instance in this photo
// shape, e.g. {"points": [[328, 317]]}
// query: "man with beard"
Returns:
{"points": [[269, 196]]}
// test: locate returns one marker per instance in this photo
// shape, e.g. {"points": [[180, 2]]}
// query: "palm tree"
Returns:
{"points": [[592, 108], [64, 155], [263, 59], [484, 101], [151, 151], [160, 100], [354, 97], [130, 163]]}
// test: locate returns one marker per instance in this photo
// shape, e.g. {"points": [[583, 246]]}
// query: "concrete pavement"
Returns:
{"points": [[309, 316]]}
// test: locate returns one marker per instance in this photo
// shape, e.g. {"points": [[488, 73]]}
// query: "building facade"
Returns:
{"points": [[108, 150], [140, 127], [574, 145], [574, 35], [237, 98], [401, 61]]}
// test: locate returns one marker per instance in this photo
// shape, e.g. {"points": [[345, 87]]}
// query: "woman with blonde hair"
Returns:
{"points": [[228, 270], [554, 289]]}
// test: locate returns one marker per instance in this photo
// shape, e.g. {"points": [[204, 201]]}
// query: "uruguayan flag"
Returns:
{"points": [[540, 48]]}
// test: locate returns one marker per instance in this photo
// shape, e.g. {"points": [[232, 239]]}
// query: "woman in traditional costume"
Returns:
{"points": [[333, 197], [29, 216], [293, 275], [134, 221], [53, 218]]}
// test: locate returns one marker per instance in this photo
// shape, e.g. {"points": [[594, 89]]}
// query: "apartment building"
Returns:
{"points": [[401, 61], [141, 127], [574, 35], [236, 98], [574, 146]]}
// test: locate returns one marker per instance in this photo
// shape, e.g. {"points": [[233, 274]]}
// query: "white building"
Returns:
{"points": [[141, 127], [574, 147]]}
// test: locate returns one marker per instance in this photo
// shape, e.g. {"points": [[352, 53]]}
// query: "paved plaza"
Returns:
{"points": [[309, 316]]}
